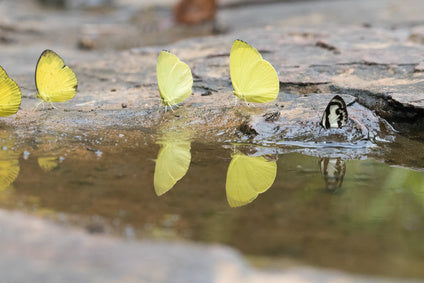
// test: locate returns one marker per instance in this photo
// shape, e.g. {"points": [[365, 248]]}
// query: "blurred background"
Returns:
{"points": [[121, 24]]}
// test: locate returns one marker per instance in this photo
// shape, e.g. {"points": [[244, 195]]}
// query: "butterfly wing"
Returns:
{"points": [[171, 165], [175, 80], [247, 177], [55, 81], [10, 95], [335, 115], [3, 73], [253, 79]]}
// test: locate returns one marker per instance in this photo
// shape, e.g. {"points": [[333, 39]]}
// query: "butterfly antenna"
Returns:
{"points": [[350, 104]]}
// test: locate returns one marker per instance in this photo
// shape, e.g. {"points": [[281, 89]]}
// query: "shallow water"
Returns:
{"points": [[361, 216]]}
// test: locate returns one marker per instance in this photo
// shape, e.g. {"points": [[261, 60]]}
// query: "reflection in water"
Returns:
{"points": [[333, 170], [406, 179], [172, 163], [9, 164], [9, 168], [47, 163], [247, 177], [376, 226]]}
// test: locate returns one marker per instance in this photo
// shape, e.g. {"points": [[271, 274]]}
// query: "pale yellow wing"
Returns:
{"points": [[253, 78], [175, 80], [55, 81], [247, 177], [47, 163], [171, 165], [10, 95], [3, 73]]}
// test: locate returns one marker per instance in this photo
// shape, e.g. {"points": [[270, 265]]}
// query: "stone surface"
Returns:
{"points": [[379, 65]]}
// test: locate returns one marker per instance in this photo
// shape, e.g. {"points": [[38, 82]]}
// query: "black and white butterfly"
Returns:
{"points": [[335, 115]]}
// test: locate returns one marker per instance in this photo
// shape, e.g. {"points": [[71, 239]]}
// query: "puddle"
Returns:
{"points": [[277, 208]]}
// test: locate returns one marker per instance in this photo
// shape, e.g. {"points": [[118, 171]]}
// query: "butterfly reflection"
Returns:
{"points": [[9, 164], [247, 177], [172, 163], [47, 163], [333, 170]]}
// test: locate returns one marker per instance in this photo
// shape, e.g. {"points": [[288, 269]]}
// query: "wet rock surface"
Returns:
{"points": [[378, 66]]}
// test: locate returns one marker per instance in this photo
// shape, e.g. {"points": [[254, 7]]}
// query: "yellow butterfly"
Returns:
{"points": [[10, 95], [253, 78], [247, 177], [55, 81], [175, 80], [172, 164]]}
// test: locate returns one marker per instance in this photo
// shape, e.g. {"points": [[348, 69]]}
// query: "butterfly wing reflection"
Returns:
{"points": [[247, 177], [9, 170], [9, 162], [333, 170], [171, 165], [47, 163]]}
